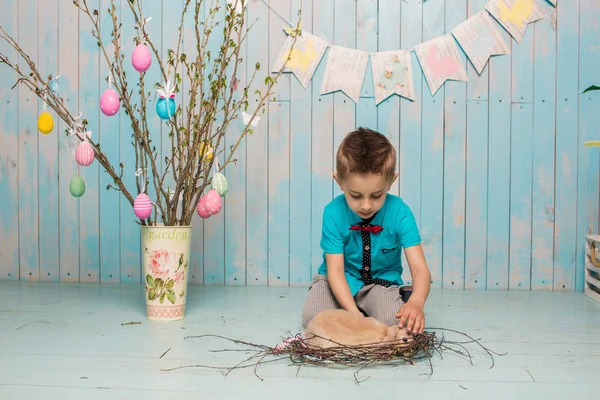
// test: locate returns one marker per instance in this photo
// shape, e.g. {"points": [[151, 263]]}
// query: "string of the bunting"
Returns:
{"points": [[479, 38]]}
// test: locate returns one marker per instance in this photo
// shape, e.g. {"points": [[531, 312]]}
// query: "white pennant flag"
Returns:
{"points": [[515, 15], [345, 71], [440, 62], [480, 39], [304, 57], [392, 74]]}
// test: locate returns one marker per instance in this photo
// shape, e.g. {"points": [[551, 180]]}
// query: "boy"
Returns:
{"points": [[364, 230]]}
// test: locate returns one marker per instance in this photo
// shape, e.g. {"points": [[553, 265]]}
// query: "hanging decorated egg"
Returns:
{"points": [[142, 206], [45, 123], [84, 155], [141, 58], [165, 106], [213, 202], [77, 186], [109, 102], [219, 184], [201, 209], [205, 150]]}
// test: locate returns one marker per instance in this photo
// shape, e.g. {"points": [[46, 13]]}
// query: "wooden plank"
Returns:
{"points": [[521, 151], [388, 111], [300, 161], [29, 110], [279, 194], [410, 163], [214, 227], [48, 150], [68, 205], [130, 231], [9, 153], [521, 162], [589, 119], [108, 129], [257, 148], [322, 150], [476, 195], [367, 27], [432, 171], [344, 108], [277, 38], [476, 198], [152, 76], [498, 215], [89, 98], [565, 207], [454, 159], [170, 38], [544, 128], [235, 199]]}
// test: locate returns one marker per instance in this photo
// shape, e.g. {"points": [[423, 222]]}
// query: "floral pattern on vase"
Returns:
{"points": [[167, 269]]}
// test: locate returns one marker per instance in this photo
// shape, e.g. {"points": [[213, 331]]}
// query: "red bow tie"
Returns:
{"points": [[372, 228]]}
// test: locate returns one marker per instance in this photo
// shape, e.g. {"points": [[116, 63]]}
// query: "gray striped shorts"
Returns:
{"points": [[379, 302]]}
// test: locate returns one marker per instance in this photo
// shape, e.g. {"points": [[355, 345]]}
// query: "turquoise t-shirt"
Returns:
{"points": [[399, 231]]}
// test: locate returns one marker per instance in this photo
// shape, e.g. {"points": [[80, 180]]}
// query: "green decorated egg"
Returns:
{"points": [[219, 184], [77, 186]]}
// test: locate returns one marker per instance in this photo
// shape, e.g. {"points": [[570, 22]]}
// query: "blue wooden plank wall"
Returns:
{"points": [[494, 168]]}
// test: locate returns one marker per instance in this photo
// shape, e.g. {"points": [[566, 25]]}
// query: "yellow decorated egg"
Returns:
{"points": [[205, 151], [45, 123]]}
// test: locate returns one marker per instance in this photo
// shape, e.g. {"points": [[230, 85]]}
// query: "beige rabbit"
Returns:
{"points": [[337, 327]]}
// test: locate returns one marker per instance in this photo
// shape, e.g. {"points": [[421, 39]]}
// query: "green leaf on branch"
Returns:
{"points": [[170, 284], [591, 88], [152, 294]]}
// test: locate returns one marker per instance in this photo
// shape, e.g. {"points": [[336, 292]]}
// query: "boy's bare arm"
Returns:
{"points": [[412, 313], [421, 277], [338, 283]]}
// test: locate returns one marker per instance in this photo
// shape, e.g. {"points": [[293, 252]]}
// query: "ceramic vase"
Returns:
{"points": [[165, 260]]}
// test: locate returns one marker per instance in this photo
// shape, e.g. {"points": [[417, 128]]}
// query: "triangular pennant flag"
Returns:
{"points": [[304, 57], [392, 73], [345, 71], [515, 15], [440, 62], [480, 39]]}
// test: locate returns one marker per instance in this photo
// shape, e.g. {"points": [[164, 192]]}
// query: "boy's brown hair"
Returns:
{"points": [[365, 151]]}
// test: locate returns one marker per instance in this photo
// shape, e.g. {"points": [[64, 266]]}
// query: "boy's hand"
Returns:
{"points": [[412, 315]]}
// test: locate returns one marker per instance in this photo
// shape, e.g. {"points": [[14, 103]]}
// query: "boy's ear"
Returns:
{"points": [[337, 180], [394, 179]]}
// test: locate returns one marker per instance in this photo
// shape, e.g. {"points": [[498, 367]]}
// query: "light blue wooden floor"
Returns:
{"points": [[66, 341]]}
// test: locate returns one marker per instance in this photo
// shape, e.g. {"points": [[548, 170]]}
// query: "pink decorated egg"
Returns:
{"points": [[109, 102], [142, 206], [202, 211], [84, 155], [213, 202], [141, 58]]}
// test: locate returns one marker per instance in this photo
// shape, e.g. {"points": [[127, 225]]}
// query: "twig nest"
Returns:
{"points": [[141, 58], [84, 155], [77, 186], [210, 204], [219, 184], [109, 102], [142, 206], [45, 123]]}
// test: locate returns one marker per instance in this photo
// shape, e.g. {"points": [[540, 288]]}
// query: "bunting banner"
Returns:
{"points": [[480, 39], [515, 15], [392, 74], [440, 62], [440, 59], [345, 71], [304, 57]]}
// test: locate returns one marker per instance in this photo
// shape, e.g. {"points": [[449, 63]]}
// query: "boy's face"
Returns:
{"points": [[365, 193]]}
